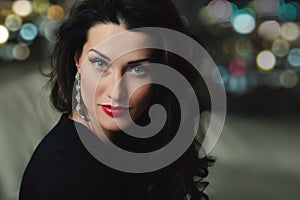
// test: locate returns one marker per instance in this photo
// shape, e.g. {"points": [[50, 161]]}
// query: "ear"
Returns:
{"points": [[76, 60]]}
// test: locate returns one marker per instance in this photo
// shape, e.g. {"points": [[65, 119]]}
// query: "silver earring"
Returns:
{"points": [[78, 97]]}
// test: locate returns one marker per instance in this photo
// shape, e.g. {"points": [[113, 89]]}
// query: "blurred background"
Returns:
{"points": [[256, 46]]}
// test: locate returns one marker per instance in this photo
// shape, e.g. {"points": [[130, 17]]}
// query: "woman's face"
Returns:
{"points": [[107, 97]]}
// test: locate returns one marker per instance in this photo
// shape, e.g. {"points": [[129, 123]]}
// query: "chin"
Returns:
{"points": [[114, 127]]}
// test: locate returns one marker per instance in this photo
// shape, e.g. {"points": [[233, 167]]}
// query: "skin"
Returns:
{"points": [[110, 77]]}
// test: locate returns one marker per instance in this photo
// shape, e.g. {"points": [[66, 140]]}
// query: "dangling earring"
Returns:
{"points": [[78, 97]]}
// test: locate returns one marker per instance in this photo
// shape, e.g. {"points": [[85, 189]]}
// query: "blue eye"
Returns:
{"points": [[138, 70], [99, 63]]}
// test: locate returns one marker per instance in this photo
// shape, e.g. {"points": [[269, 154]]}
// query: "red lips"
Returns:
{"points": [[114, 111]]}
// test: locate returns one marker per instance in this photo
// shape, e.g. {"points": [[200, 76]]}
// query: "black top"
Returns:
{"points": [[61, 168]]}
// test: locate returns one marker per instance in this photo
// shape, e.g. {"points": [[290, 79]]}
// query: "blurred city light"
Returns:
{"points": [[228, 46], [20, 52], [220, 71], [287, 12], [243, 22], [13, 22], [266, 60], [294, 57], [268, 7], [280, 47], [243, 46], [49, 30], [22, 8], [22, 21], [4, 34], [237, 67], [41, 6], [204, 17], [55, 13], [290, 31], [237, 84], [220, 9], [6, 52], [288, 79], [28, 31], [269, 30]]}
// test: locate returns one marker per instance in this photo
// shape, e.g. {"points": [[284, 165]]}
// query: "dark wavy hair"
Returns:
{"points": [[184, 176]]}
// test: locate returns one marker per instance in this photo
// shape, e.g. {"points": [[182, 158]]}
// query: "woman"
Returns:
{"points": [[103, 101]]}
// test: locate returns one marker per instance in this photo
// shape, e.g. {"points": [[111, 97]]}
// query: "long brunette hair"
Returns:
{"points": [[177, 180]]}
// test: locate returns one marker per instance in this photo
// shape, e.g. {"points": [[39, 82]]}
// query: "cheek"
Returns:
{"points": [[142, 97], [89, 82]]}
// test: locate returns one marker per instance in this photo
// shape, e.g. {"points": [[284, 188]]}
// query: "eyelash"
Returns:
{"points": [[96, 60], [138, 67], [105, 65]]}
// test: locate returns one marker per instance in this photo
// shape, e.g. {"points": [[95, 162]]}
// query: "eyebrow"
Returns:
{"points": [[131, 62], [100, 54], [138, 61]]}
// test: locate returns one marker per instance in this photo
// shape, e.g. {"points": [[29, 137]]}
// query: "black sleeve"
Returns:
{"points": [[48, 176]]}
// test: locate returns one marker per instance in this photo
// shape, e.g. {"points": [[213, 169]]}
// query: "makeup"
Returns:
{"points": [[114, 111]]}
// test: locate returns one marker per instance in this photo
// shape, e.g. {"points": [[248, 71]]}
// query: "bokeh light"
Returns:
{"points": [[220, 71], [22, 21], [211, 8], [287, 12], [243, 22], [227, 46], [237, 67], [13, 22], [4, 34], [20, 52], [266, 60], [49, 31], [220, 9], [41, 6], [269, 30], [29, 31], [269, 7], [294, 57], [204, 17], [280, 47], [290, 67], [297, 6], [55, 13], [243, 46], [290, 31], [22, 8], [6, 52], [288, 79], [237, 84], [41, 24]]}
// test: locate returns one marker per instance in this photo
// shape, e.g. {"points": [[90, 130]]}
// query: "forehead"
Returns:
{"points": [[101, 32], [114, 40]]}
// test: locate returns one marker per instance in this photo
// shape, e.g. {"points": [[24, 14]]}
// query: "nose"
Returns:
{"points": [[116, 89]]}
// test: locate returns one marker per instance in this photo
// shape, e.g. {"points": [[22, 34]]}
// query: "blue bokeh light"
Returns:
{"points": [[29, 31], [243, 22], [287, 12], [220, 71], [294, 57], [237, 84]]}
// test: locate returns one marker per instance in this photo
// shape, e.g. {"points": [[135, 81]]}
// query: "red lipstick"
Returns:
{"points": [[114, 111]]}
